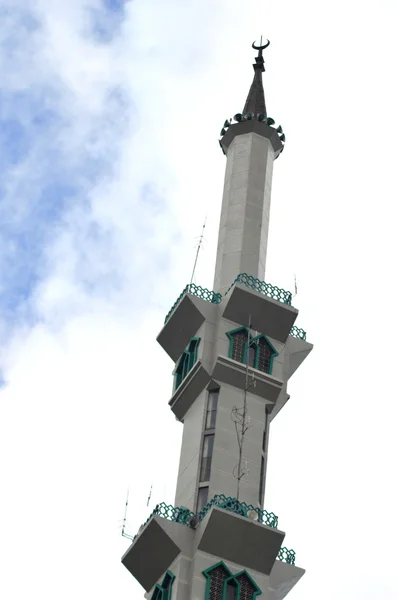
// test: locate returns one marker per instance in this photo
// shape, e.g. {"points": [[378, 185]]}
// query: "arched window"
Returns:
{"points": [[248, 589], [223, 585], [216, 576], [186, 362], [238, 344], [163, 591], [257, 352], [265, 354]]}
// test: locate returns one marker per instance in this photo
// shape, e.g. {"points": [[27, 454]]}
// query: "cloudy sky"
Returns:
{"points": [[110, 113]]}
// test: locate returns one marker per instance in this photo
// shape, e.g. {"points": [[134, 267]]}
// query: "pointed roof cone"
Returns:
{"points": [[255, 102]]}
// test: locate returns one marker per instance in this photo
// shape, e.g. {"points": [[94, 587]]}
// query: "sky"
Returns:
{"points": [[110, 112]]}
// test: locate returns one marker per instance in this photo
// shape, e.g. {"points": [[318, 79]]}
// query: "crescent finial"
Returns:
{"points": [[260, 47]]}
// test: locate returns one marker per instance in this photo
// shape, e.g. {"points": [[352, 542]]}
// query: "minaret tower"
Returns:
{"points": [[234, 349]]}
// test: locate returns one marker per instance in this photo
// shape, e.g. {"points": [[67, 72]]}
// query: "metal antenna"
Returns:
{"points": [[295, 285], [124, 534], [150, 495], [197, 253]]}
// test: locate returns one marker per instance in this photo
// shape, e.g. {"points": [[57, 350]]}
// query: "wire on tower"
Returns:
{"points": [[241, 420]]}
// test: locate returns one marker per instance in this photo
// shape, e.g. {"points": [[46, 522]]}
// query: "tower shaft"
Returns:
{"points": [[234, 349], [244, 222]]}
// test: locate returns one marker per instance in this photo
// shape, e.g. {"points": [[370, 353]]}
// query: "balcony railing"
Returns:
{"points": [[272, 291], [200, 292], [240, 508], [298, 333], [287, 556], [183, 515]]}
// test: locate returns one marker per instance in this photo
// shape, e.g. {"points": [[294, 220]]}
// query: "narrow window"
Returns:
{"points": [[238, 342], [265, 355], [260, 492], [182, 369], [230, 591], [251, 356], [186, 362], [212, 403], [203, 494], [207, 454], [193, 352], [265, 430]]}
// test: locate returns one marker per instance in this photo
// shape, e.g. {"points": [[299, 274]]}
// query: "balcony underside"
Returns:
{"points": [[221, 533], [233, 373], [189, 389], [183, 323], [270, 317]]}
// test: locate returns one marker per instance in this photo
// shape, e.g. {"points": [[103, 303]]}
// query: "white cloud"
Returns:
{"points": [[130, 122]]}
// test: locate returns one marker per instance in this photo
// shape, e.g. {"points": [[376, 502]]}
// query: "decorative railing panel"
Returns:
{"points": [[180, 514], [200, 292], [298, 333], [272, 291], [240, 508], [288, 556]]}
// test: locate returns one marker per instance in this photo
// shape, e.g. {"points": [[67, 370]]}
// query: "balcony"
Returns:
{"points": [[240, 508], [273, 292], [186, 517], [199, 292]]}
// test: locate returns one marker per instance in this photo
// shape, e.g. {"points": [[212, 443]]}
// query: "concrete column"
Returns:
{"points": [[243, 233]]}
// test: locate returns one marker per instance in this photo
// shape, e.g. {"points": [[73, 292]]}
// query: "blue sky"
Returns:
{"points": [[109, 121]]}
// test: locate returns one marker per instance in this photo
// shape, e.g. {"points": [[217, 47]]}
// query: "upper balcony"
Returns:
{"points": [[268, 307]]}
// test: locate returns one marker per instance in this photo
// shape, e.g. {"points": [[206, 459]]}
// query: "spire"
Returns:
{"points": [[255, 102]]}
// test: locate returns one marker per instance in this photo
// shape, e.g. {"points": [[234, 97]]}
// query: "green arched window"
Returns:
{"points": [[186, 362], [223, 585], [163, 591], [257, 352]]}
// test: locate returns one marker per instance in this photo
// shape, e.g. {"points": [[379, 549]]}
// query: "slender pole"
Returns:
{"points": [[197, 253], [243, 430]]}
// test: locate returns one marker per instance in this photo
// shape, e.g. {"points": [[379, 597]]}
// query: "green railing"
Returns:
{"points": [[272, 291], [180, 514], [200, 292], [239, 508], [288, 556], [298, 333]]}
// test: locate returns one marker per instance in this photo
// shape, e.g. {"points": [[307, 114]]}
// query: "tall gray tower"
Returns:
{"points": [[234, 349]]}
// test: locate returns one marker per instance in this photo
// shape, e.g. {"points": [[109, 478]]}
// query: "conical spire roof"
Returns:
{"points": [[255, 102]]}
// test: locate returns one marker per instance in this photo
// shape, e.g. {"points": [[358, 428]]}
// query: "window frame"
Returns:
{"points": [[210, 395], [186, 362]]}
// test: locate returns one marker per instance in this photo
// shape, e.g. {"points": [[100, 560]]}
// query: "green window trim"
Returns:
{"points": [[161, 592], [186, 361], [230, 578], [253, 341], [271, 347]]}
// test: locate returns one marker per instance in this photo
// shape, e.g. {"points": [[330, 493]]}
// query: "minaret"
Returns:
{"points": [[234, 349]]}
